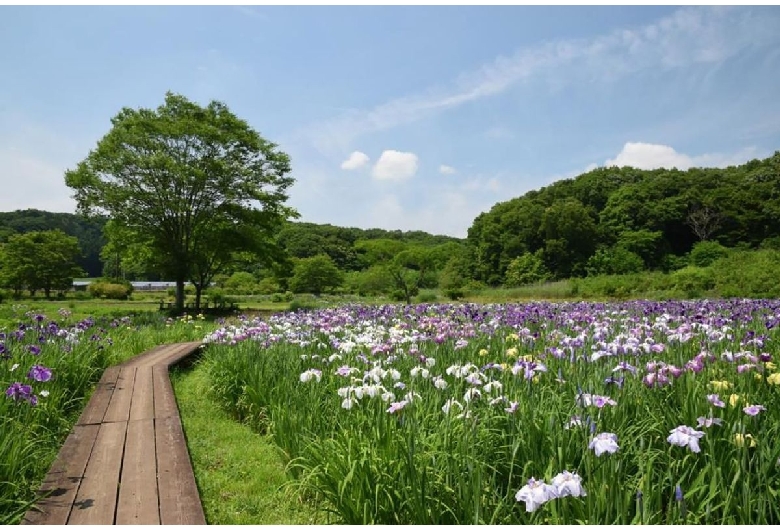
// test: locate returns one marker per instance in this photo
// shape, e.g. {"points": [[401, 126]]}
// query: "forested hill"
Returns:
{"points": [[613, 220], [346, 245], [88, 232], [301, 240]]}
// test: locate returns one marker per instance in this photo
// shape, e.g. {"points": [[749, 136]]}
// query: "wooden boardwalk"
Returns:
{"points": [[126, 460]]}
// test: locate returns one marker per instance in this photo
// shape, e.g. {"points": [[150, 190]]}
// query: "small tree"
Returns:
{"points": [[41, 261], [316, 275], [704, 221], [409, 270]]}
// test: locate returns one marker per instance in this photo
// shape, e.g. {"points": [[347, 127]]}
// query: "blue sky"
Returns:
{"points": [[412, 118]]}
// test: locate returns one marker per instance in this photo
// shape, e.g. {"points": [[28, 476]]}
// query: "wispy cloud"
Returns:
{"points": [[251, 12], [689, 36]]}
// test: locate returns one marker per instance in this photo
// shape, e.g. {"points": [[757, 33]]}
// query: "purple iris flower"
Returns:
{"points": [[753, 410], [19, 391], [35, 350], [39, 373]]}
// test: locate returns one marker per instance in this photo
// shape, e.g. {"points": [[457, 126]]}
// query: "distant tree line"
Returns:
{"points": [[606, 221]]}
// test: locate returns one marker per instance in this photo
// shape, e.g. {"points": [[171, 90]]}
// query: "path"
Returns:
{"points": [[126, 460]]}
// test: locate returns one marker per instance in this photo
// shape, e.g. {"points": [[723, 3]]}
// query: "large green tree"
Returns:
{"points": [[180, 177]]}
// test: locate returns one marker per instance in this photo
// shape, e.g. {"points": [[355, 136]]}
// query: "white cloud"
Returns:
{"points": [[355, 161], [395, 165], [653, 156], [447, 170], [688, 36]]}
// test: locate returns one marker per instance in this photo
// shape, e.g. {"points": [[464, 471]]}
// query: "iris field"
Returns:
{"points": [[638, 412]]}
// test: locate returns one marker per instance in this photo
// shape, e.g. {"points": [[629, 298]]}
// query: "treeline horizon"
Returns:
{"points": [[611, 220]]}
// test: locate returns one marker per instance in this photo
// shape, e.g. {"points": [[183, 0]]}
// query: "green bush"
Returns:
{"points": [[615, 260], [268, 286], [426, 297], [241, 283], [526, 269], [694, 281], [454, 293], [705, 253], [752, 274], [111, 291]]}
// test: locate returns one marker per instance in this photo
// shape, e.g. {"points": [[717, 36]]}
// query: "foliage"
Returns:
{"points": [[693, 281], [89, 232], [316, 275], [615, 260], [410, 270], [241, 283], [39, 261], [658, 215], [183, 179], [111, 291], [748, 274], [705, 253], [526, 269]]}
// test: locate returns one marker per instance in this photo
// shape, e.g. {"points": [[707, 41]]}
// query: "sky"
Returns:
{"points": [[400, 117]]}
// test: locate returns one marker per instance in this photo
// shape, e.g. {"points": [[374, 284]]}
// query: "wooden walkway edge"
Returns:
{"points": [[126, 459]]}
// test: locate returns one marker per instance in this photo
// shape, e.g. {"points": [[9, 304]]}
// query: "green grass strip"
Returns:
{"points": [[239, 473]]}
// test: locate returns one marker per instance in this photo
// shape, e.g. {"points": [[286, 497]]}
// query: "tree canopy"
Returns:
{"points": [[192, 184], [40, 260]]}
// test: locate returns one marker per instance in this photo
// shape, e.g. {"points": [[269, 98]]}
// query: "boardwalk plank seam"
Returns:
{"points": [[108, 444]]}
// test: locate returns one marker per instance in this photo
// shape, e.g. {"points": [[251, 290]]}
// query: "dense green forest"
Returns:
{"points": [[623, 220], [89, 233], [609, 221]]}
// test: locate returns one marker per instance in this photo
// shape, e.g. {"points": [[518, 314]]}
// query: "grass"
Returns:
{"points": [[239, 473]]}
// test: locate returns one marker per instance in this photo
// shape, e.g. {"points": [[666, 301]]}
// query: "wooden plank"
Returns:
{"points": [[95, 410], [176, 353], [164, 399], [179, 499], [138, 499], [186, 349], [64, 478], [96, 499], [139, 359], [119, 407], [142, 403]]}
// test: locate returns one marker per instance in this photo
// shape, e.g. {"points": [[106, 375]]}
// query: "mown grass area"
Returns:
{"points": [[240, 474]]}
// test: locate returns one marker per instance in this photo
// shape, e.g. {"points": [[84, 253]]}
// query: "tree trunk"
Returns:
{"points": [[198, 292], [180, 295]]}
